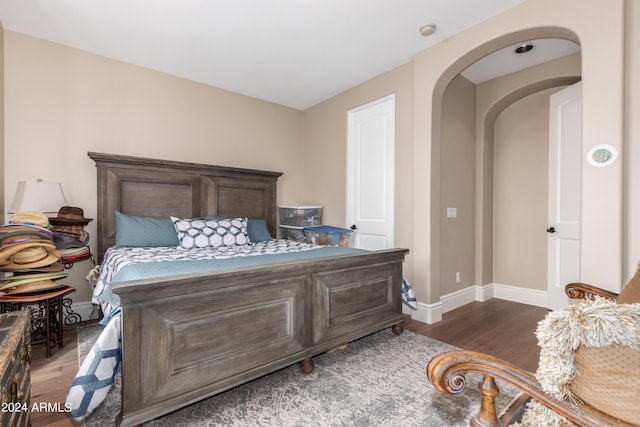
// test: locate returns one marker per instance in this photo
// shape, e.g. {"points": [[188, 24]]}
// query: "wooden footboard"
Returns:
{"points": [[188, 337]]}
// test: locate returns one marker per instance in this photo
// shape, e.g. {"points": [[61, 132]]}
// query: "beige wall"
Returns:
{"points": [[62, 102], [602, 70], [325, 150], [520, 192], [632, 149], [457, 186]]}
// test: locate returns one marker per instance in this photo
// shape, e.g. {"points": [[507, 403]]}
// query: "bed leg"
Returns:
{"points": [[307, 365], [397, 328]]}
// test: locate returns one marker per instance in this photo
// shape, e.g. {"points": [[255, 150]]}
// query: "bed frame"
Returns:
{"points": [[187, 337]]}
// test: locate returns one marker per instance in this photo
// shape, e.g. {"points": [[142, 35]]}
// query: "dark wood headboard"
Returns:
{"points": [[162, 188]]}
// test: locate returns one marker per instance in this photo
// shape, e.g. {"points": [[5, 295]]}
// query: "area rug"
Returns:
{"points": [[379, 380]]}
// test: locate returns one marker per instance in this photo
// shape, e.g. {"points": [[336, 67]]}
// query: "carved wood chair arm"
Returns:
{"points": [[447, 371], [583, 290]]}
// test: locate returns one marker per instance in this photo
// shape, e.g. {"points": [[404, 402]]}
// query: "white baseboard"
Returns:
{"points": [[521, 295], [432, 313], [484, 292], [85, 309], [427, 313]]}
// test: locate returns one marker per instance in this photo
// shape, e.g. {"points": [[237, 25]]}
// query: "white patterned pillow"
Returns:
{"points": [[201, 233]]}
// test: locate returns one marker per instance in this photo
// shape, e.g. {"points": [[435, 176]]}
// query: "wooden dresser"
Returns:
{"points": [[15, 358]]}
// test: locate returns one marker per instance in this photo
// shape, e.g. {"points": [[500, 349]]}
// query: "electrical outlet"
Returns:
{"points": [[457, 277]]}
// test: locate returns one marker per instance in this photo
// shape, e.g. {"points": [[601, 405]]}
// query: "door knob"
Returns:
{"points": [[354, 227], [551, 230]]}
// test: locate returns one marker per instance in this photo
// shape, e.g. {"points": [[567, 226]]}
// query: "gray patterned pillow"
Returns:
{"points": [[200, 233]]}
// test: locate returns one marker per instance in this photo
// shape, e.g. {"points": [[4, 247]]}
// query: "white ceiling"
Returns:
{"points": [[506, 61], [295, 53]]}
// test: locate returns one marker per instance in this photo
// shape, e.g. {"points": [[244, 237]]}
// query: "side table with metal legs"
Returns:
{"points": [[46, 315]]}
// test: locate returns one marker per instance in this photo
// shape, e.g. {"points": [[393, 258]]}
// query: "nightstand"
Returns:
{"points": [[46, 315]]}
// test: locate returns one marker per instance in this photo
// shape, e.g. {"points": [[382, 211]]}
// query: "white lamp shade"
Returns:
{"points": [[38, 196]]}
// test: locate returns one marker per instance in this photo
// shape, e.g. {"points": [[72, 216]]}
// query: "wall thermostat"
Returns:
{"points": [[602, 155]]}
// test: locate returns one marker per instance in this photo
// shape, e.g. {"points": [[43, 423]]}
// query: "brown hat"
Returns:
{"points": [[70, 215]]}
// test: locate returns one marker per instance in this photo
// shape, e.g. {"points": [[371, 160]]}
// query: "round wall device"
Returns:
{"points": [[602, 155]]}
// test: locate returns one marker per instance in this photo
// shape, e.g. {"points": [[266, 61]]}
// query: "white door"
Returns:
{"points": [[565, 158], [370, 173]]}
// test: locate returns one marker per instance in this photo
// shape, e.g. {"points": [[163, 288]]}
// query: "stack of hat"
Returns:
{"points": [[22, 285], [70, 237], [37, 219], [26, 245]]}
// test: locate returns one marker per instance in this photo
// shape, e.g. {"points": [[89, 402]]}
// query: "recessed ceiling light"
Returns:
{"points": [[427, 29], [524, 48]]}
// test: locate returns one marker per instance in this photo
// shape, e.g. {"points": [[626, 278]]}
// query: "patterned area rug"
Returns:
{"points": [[379, 380]]}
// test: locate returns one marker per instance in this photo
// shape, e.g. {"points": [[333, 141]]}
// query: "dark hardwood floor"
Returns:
{"points": [[501, 328], [497, 327]]}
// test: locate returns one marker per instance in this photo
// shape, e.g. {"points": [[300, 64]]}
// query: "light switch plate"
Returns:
{"points": [[452, 212]]}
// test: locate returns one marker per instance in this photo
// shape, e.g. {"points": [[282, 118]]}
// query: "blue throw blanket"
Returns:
{"points": [[97, 372]]}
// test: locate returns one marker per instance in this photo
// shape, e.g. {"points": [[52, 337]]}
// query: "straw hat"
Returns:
{"points": [[21, 279], [28, 255], [11, 234], [70, 215], [52, 268], [35, 218], [32, 287]]}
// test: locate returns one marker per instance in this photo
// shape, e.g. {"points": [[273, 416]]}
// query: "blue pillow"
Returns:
{"points": [[144, 231], [257, 228], [258, 231]]}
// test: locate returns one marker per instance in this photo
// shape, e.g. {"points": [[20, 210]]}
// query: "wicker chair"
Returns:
{"points": [[595, 381]]}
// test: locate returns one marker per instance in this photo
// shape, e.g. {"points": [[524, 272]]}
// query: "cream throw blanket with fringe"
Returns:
{"points": [[597, 323]]}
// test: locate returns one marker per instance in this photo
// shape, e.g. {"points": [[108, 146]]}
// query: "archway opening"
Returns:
{"points": [[462, 226]]}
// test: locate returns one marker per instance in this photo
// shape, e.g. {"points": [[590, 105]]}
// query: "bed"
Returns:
{"points": [[193, 334]]}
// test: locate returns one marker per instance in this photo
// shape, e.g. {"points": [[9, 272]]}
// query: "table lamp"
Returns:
{"points": [[38, 196]]}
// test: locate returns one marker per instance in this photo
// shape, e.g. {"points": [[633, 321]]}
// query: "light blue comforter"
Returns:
{"points": [[100, 367]]}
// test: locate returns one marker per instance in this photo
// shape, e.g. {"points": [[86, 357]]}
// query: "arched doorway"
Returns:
{"points": [[445, 279], [602, 68]]}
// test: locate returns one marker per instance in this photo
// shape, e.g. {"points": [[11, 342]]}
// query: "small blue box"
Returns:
{"points": [[328, 236]]}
